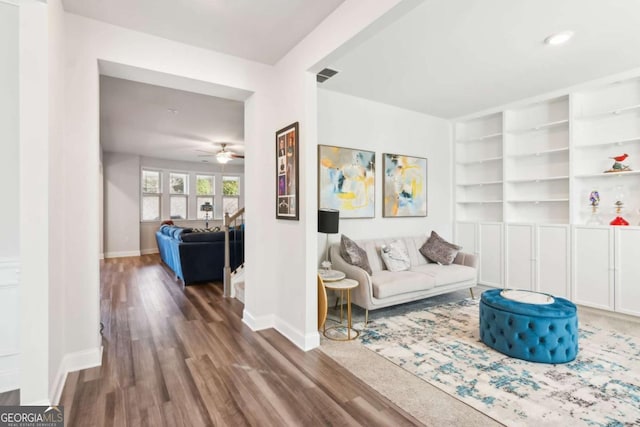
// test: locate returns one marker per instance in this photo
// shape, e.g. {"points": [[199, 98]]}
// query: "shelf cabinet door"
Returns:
{"points": [[553, 270], [627, 271], [467, 237], [519, 256], [491, 254], [593, 267]]}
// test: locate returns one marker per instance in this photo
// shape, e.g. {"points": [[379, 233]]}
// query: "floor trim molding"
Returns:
{"points": [[73, 362], [257, 323], [149, 251], [121, 254], [306, 342]]}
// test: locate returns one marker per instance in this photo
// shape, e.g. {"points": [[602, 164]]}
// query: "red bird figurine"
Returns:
{"points": [[620, 158]]}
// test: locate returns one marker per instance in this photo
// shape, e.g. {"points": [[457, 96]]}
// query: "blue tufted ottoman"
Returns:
{"points": [[544, 332]]}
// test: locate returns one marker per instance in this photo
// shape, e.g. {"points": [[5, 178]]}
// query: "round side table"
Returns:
{"points": [[343, 285]]}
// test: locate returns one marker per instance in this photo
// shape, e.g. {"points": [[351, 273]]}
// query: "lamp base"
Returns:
{"points": [[619, 221]]}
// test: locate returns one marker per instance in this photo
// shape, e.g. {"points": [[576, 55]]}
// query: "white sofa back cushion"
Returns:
{"points": [[411, 243]]}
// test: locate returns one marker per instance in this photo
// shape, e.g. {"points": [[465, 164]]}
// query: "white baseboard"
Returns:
{"points": [[101, 256], [73, 362], [305, 342], [257, 323], [121, 254], [149, 251], [9, 370]]}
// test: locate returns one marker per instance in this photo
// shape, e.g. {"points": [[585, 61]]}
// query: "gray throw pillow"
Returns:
{"points": [[395, 256], [354, 254], [438, 250]]}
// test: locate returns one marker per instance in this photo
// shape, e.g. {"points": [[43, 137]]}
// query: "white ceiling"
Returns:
{"points": [[259, 30], [136, 118], [449, 58]]}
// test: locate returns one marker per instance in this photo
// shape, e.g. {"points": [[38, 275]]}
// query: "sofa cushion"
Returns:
{"points": [[389, 283], [354, 254], [395, 256], [439, 250], [446, 274]]}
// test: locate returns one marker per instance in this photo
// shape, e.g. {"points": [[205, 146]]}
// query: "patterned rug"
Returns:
{"points": [[441, 345]]}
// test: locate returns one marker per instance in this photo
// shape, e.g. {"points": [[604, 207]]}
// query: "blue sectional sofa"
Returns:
{"points": [[198, 256]]}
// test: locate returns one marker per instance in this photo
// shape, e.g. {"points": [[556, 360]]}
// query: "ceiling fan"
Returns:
{"points": [[222, 156]]}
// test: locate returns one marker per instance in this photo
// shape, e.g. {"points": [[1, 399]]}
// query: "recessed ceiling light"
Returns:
{"points": [[172, 110], [559, 38]]}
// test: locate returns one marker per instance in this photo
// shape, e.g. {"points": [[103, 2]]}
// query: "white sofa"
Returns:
{"points": [[424, 279]]}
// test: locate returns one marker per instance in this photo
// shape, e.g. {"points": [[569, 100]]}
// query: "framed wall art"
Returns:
{"points": [[287, 191], [404, 189], [346, 181]]}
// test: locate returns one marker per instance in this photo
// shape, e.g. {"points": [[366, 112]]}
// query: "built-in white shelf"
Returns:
{"points": [[541, 179], [536, 201], [474, 184], [607, 174], [614, 112], [478, 202], [489, 159], [481, 138], [610, 143], [541, 126], [541, 153]]}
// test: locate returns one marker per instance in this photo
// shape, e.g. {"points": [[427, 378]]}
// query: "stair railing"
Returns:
{"points": [[234, 221]]}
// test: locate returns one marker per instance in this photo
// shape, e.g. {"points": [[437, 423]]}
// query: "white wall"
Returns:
{"points": [[9, 160], [34, 218], [59, 296], [280, 283], [10, 211], [122, 204], [347, 121]]}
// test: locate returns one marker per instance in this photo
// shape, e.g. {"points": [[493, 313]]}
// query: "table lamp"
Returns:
{"points": [[206, 208], [328, 220]]}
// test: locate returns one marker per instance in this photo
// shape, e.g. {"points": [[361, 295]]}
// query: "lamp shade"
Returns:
{"points": [[328, 220], [206, 207]]}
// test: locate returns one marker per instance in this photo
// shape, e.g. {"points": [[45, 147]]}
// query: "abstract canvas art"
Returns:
{"points": [[346, 181], [287, 173], [404, 190]]}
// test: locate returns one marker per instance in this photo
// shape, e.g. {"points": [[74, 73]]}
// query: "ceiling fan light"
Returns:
{"points": [[223, 157]]}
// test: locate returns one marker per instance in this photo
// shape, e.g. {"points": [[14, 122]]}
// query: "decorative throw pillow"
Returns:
{"points": [[354, 254], [395, 256], [438, 250]]}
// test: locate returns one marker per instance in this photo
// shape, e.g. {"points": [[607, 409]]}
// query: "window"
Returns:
{"points": [[151, 192], [204, 193], [178, 183], [230, 194], [178, 190]]}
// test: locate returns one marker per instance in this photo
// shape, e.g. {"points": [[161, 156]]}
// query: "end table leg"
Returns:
{"points": [[349, 313]]}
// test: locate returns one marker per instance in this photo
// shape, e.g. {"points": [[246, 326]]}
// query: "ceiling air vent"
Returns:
{"points": [[325, 75]]}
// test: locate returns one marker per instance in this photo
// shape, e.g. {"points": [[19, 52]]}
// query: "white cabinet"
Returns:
{"points": [[627, 270], [593, 266], [491, 254], [607, 269], [520, 259], [553, 263], [537, 258], [485, 240]]}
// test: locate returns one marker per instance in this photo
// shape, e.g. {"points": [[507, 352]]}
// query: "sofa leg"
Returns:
{"points": [[471, 292]]}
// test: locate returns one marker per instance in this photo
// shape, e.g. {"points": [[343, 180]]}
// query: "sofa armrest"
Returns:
{"points": [[361, 295], [464, 258]]}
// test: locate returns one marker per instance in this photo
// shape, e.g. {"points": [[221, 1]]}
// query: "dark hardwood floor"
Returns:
{"points": [[175, 357]]}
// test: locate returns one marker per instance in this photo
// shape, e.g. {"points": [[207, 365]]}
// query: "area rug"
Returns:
{"points": [[441, 345]]}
